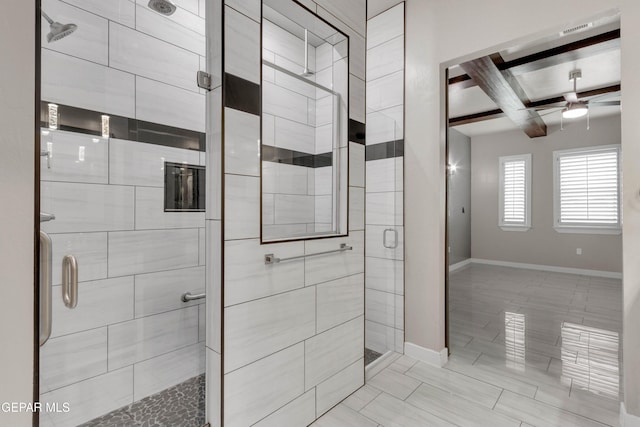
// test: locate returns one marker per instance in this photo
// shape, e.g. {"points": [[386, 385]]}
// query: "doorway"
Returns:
{"points": [[532, 267]]}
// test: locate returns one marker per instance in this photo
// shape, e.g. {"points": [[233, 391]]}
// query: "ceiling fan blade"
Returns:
{"points": [[571, 97], [603, 103], [604, 96]]}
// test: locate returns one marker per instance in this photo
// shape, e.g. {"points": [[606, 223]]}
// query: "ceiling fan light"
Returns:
{"points": [[574, 111]]}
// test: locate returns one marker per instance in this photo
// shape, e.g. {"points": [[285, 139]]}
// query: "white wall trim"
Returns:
{"points": [[426, 355], [458, 265], [553, 268], [628, 420]]}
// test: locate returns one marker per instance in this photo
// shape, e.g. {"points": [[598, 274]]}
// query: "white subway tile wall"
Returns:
{"points": [[294, 331], [384, 326], [135, 260]]}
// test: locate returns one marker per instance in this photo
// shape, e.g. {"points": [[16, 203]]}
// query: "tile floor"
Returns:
{"points": [[528, 348]]}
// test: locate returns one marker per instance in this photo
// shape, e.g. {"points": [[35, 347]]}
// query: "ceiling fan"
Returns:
{"points": [[573, 107]]}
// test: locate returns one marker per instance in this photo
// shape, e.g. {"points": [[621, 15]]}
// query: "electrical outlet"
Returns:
{"points": [[578, 251]]}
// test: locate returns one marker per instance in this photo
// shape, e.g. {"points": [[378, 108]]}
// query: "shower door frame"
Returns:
{"points": [[37, 266], [36, 212]]}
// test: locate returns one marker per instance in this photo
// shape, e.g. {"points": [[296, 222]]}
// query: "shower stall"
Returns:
{"points": [[123, 213], [179, 167]]}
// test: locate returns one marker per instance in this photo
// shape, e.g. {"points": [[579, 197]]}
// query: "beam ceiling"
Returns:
{"points": [[548, 58], [503, 88], [557, 101]]}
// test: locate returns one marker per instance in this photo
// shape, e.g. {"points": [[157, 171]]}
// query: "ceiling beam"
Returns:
{"points": [[558, 55], [503, 88], [567, 53], [476, 117], [549, 102], [460, 82]]}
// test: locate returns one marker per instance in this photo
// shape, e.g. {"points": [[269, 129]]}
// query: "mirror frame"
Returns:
{"points": [[345, 163]]}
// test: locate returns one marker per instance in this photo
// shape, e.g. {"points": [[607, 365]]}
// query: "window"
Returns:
{"points": [[515, 193], [587, 190]]}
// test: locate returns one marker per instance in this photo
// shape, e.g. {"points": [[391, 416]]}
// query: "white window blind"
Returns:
{"points": [[588, 188], [515, 191]]}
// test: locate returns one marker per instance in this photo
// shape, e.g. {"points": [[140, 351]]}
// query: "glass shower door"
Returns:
{"points": [[122, 200], [384, 253]]}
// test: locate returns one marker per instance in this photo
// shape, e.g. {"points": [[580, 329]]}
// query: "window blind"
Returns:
{"points": [[514, 209], [588, 188]]}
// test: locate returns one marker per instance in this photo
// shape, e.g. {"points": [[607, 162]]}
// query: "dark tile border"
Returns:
{"points": [[296, 158], [241, 94], [80, 120], [357, 132], [384, 150]]}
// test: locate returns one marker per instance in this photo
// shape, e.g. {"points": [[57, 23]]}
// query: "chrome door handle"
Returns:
{"points": [[395, 239], [70, 281], [45, 287], [47, 154]]}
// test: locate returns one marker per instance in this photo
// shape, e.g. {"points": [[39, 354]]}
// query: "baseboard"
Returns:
{"points": [[459, 265], [431, 357], [628, 420], [553, 268]]}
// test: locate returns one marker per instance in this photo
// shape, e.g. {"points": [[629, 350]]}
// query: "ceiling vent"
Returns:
{"points": [[576, 29]]}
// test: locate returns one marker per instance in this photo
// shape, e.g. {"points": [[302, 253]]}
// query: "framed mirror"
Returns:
{"points": [[304, 142]]}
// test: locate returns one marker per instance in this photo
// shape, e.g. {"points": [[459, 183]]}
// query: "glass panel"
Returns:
{"points": [[304, 124], [384, 233], [121, 112]]}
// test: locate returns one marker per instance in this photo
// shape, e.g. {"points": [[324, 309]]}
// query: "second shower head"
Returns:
{"points": [[58, 30], [306, 72], [164, 7]]}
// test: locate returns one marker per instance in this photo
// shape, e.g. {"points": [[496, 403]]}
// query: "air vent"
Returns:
{"points": [[575, 29]]}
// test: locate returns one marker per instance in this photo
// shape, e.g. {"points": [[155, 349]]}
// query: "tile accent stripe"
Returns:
{"points": [[89, 122], [241, 94], [385, 150], [357, 132], [297, 158]]}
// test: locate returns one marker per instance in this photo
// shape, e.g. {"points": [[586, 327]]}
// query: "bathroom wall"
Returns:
{"points": [[17, 225], [459, 197], [298, 174], [130, 335], [294, 331], [384, 184]]}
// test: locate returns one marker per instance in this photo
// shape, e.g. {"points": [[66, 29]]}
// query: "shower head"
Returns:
{"points": [[164, 7], [58, 30], [306, 72]]}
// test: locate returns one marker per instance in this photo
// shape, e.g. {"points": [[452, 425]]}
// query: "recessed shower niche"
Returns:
{"points": [[305, 104]]}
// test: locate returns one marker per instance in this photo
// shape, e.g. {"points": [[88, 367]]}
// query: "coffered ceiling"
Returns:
{"points": [[492, 93]]}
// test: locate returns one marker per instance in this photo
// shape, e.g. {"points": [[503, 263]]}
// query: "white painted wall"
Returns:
{"points": [[447, 32], [631, 208], [541, 244], [17, 86], [460, 240]]}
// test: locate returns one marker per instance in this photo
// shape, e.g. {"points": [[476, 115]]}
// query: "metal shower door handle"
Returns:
{"points": [[395, 238], [45, 287], [70, 281]]}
